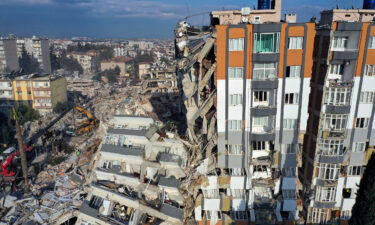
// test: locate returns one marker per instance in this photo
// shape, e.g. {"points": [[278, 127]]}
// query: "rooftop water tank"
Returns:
{"points": [[266, 4], [369, 4]]}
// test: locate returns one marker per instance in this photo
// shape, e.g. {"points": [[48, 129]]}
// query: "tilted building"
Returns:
{"points": [[340, 135]]}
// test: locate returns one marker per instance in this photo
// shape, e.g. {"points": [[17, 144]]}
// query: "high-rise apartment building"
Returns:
{"points": [[41, 92], [8, 55], [280, 114], [38, 48], [340, 134]]}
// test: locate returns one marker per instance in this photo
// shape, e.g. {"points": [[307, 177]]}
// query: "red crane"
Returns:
{"points": [[6, 163]]}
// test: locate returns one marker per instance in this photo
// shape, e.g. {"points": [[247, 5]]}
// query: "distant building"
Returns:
{"points": [[143, 68], [39, 49], [86, 60], [122, 62], [8, 56], [119, 51], [40, 92]]}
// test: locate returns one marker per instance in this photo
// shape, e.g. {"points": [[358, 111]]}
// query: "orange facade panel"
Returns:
{"points": [[236, 33], [221, 52], [236, 59], [309, 51], [282, 52], [294, 57], [370, 59], [296, 31], [361, 49]]}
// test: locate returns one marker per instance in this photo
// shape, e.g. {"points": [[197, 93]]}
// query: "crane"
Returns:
{"points": [[88, 125]]}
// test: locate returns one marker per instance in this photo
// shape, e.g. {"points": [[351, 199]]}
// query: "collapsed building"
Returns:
{"points": [[136, 177]]}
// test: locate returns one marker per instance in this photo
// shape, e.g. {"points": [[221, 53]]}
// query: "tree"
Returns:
{"points": [[70, 64], [363, 212], [28, 63], [112, 74], [62, 106], [55, 61], [26, 113], [6, 129]]}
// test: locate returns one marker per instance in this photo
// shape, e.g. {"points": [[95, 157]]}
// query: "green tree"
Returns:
{"points": [[55, 61], [26, 113], [112, 74], [6, 129], [28, 63], [70, 64], [363, 212]]}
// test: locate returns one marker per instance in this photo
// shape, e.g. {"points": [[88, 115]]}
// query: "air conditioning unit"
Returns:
{"points": [[245, 11]]}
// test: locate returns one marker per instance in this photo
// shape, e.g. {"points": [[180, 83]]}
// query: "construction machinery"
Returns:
{"points": [[88, 125], [11, 154]]}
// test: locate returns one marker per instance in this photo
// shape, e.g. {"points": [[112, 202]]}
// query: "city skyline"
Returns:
{"points": [[127, 19]]}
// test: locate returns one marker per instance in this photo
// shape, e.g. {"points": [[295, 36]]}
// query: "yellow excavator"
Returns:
{"points": [[86, 126]]}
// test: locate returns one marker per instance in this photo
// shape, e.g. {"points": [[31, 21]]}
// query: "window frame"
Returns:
{"points": [[291, 98], [236, 44], [295, 43]]}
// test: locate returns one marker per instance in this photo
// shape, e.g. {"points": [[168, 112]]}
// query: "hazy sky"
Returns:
{"points": [[127, 18]]}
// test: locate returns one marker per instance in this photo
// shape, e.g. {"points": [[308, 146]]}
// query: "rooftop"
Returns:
{"points": [[144, 132]]}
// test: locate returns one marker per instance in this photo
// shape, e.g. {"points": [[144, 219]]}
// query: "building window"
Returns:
{"points": [[235, 125], [318, 215], [289, 172], [339, 43], [258, 145], [359, 146], [211, 193], [236, 44], [236, 193], [260, 121], [355, 170], [289, 124], [260, 96], [367, 97], [291, 98], [335, 121], [325, 194], [289, 194], [331, 147], [240, 215], [235, 99], [107, 165], [235, 72], [289, 148], [328, 171], [293, 71], [370, 70], [18, 84], [234, 149], [337, 96], [346, 214], [264, 71], [336, 69], [372, 43], [295, 42], [96, 202], [361, 122], [266, 42]]}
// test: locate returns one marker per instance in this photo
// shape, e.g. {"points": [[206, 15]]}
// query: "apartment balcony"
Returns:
{"points": [[323, 205], [133, 153], [43, 105], [331, 159], [262, 133], [334, 134], [344, 54], [336, 109], [337, 82], [42, 95], [267, 84], [265, 109], [6, 96], [326, 183]]}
